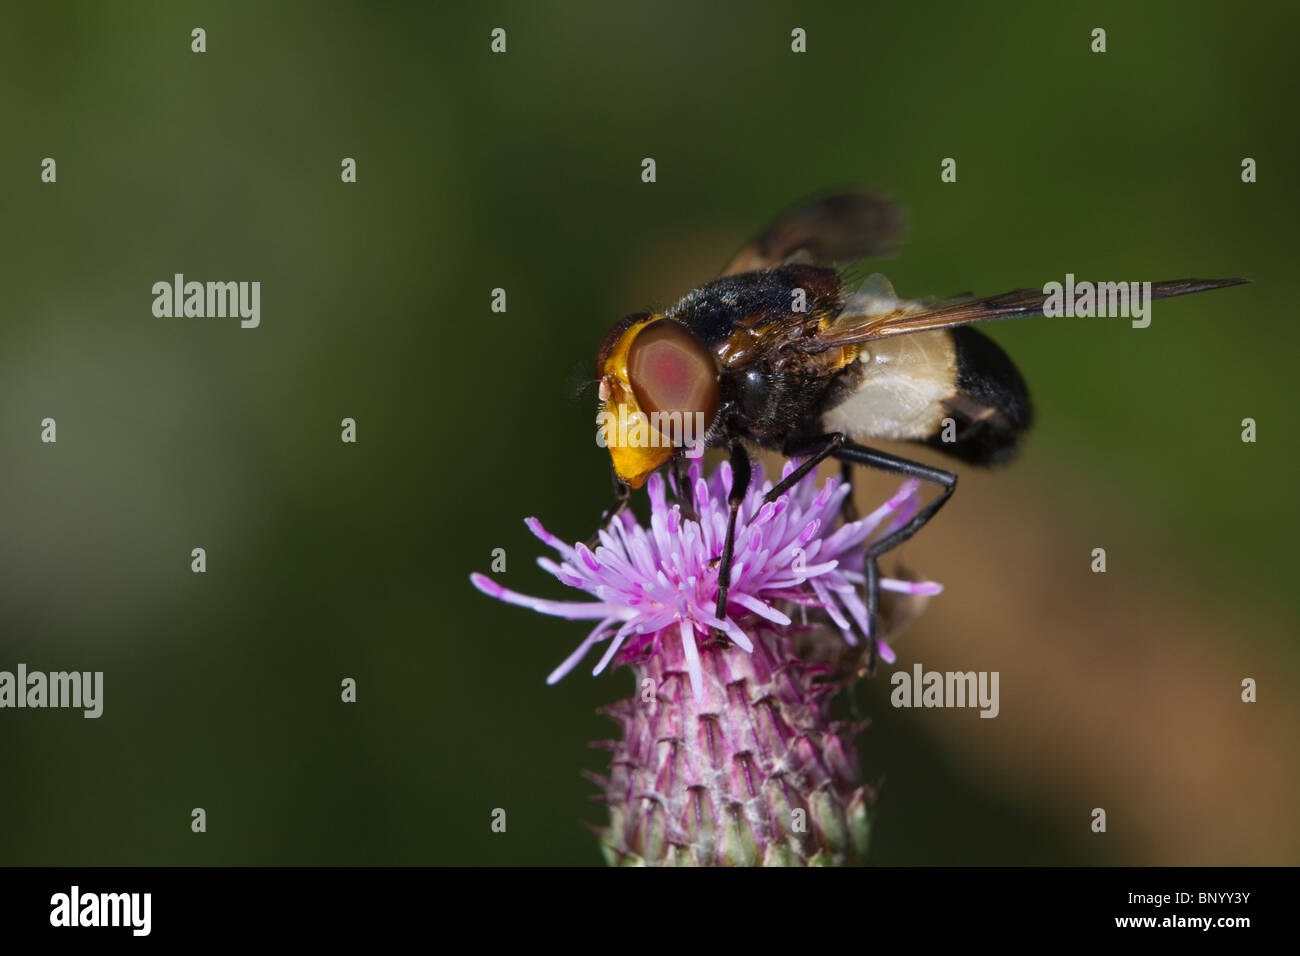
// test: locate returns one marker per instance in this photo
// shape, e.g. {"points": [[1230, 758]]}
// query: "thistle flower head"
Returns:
{"points": [[660, 583], [728, 754]]}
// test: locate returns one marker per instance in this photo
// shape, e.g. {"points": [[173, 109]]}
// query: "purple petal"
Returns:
{"points": [[692, 660], [573, 610], [600, 632], [911, 587], [762, 610]]}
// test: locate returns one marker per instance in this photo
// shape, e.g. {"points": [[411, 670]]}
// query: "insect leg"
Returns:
{"points": [[883, 461], [851, 453], [849, 509], [740, 471], [871, 571], [622, 494], [828, 445], [681, 472]]}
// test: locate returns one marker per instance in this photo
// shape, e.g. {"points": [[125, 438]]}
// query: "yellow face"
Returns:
{"points": [[658, 392]]}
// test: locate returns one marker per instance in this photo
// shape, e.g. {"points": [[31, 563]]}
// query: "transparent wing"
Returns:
{"points": [[874, 311], [827, 231]]}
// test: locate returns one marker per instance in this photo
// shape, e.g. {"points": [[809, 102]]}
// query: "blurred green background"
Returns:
{"points": [[522, 171]]}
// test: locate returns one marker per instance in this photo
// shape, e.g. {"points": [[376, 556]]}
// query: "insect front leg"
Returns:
{"points": [[740, 471], [622, 493], [681, 473]]}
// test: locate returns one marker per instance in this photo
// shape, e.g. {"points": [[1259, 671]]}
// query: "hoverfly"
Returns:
{"points": [[778, 352]]}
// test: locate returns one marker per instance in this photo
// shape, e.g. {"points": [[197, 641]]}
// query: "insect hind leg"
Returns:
{"points": [[849, 509], [849, 453]]}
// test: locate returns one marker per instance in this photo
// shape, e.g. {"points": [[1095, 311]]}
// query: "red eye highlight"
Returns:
{"points": [[670, 370]]}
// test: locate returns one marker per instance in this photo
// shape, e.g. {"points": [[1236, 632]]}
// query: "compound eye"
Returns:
{"points": [[670, 370]]}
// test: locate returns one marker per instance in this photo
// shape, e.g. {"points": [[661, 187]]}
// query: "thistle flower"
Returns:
{"points": [[729, 754]]}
